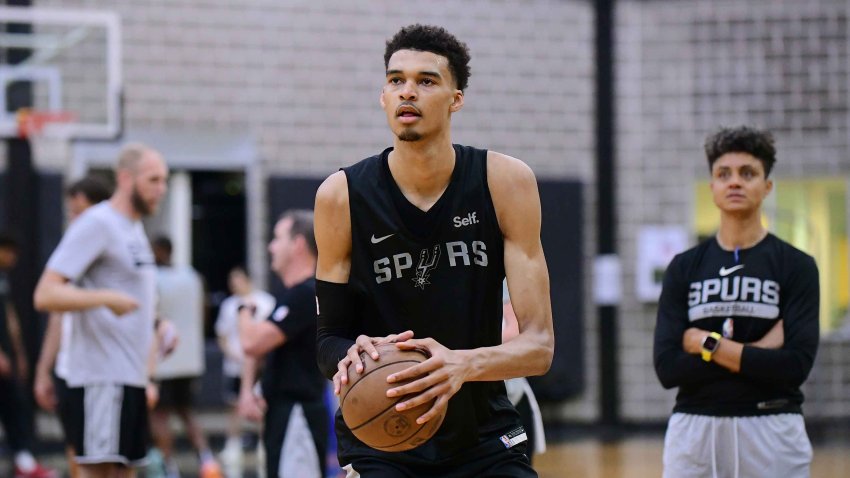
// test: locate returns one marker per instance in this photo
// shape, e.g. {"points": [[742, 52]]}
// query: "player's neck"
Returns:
{"points": [[124, 205], [422, 168], [740, 232]]}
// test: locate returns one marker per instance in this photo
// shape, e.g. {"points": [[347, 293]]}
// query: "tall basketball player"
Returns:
{"points": [[414, 243]]}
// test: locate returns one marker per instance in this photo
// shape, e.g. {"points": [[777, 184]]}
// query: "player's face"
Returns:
{"points": [[281, 246], [419, 95], [76, 205], [150, 183], [738, 183]]}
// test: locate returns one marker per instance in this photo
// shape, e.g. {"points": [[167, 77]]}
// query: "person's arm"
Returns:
{"points": [[789, 363], [336, 345], [332, 227], [513, 188], [43, 388], [82, 244], [14, 327], [5, 364], [258, 337], [674, 366], [250, 406]]}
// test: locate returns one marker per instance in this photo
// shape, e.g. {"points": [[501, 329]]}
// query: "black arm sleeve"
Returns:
{"points": [[791, 364], [673, 365], [335, 304]]}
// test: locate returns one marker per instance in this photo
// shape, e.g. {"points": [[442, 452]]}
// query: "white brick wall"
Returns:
{"points": [[304, 77]]}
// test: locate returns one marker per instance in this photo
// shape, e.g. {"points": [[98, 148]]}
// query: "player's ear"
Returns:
{"points": [[769, 187], [381, 99], [457, 102]]}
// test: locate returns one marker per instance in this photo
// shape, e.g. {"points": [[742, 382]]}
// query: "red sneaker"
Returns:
{"points": [[37, 472], [211, 469]]}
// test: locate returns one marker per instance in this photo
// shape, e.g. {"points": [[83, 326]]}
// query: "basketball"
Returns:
{"points": [[372, 416]]}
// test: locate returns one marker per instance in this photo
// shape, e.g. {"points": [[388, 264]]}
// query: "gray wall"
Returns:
{"points": [[303, 78]]}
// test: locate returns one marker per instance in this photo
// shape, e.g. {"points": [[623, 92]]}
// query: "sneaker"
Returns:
{"points": [[231, 455], [37, 472], [155, 467], [210, 469]]}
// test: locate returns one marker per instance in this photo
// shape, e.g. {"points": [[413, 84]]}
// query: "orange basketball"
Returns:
{"points": [[371, 415]]}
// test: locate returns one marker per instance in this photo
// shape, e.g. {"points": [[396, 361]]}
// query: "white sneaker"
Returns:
{"points": [[261, 460], [231, 454]]}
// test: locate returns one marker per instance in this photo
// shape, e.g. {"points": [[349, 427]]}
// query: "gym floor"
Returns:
{"points": [[574, 454]]}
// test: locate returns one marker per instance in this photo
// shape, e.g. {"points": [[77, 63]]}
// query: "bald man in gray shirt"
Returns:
{"points": [[104, 269]]}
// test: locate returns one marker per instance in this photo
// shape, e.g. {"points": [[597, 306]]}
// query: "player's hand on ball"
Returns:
{"points": [[120, 303], [439, 377], [364, 344]]}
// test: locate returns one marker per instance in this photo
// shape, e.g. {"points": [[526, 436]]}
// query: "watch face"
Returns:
{"points": [[710, 343]]}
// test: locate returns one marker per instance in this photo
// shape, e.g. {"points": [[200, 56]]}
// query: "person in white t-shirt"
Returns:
{"points": [[227, 330]]}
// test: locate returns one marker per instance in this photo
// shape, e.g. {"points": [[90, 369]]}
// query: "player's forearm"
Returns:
{"points": [[50, 345], [529, 353], [66, 297], [789, 366], [248, 375]]}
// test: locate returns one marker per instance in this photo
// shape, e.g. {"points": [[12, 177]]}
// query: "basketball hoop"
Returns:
{"points": [[33, 123]]}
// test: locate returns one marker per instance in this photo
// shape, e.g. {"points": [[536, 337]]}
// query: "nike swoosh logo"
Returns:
{"points": [[725, 272], [376, 240]]}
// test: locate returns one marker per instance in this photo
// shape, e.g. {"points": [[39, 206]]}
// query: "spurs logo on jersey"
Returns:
{"points": [[458, 253], [733, 296], [428, 261]]}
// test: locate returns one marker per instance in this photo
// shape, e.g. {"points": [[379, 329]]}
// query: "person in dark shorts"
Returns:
{"points": [[50, 388], [15, 411], [295, 430], [414, 244], [737, 330], [104, 271]]}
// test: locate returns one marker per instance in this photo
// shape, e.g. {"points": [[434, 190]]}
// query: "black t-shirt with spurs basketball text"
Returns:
{"points": [[741, 296], [438, 273]]}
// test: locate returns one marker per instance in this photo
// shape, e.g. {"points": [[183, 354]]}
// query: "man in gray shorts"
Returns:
{"points": [[737, 331], [104, 269]]}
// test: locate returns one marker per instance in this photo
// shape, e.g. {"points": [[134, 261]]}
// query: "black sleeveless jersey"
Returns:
{"points": [[443, 280]]}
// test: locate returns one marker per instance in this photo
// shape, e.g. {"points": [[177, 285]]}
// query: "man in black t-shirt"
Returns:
{"points": [[296, 420], [414, 244], [737, 331]]}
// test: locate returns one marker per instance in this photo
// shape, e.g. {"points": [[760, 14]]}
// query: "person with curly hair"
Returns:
{"points": [[737, 330], [414, 244]]}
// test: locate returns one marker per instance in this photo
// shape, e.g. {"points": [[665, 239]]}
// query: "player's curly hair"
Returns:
{"points": [[435, 40], [742, 139]]}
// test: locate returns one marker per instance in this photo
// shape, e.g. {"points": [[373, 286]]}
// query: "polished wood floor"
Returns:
{"points": [[641, 458]]}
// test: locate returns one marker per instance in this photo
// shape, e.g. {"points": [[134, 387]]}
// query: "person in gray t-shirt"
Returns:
{"points": [[104, 269]]}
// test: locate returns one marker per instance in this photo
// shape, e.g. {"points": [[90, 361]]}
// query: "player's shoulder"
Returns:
{"points": [[333, 192], [508, 176], [690, 258], [791, 254], [502, 167]]}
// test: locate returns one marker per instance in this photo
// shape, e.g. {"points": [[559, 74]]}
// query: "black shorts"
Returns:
{"points": [[491, 458], [61, 388], [108, 423], [297, 433], [176, 393]]}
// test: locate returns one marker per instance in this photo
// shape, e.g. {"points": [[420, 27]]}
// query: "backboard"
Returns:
{"points": [[72, 60]]}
